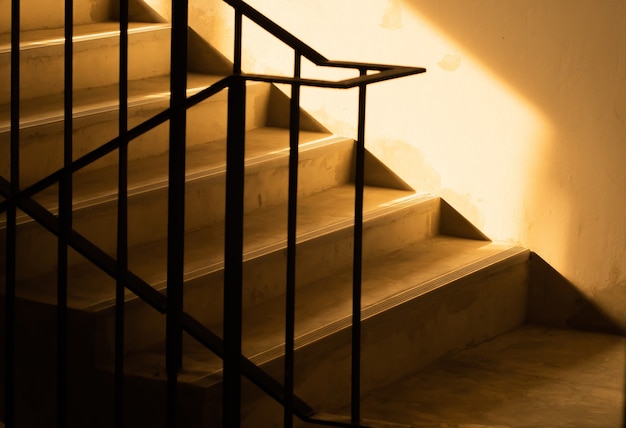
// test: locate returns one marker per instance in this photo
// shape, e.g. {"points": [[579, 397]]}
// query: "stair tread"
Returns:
{"points": [[265, 231], [49, 109], [40, 38], [387, 279], [100, 185]]}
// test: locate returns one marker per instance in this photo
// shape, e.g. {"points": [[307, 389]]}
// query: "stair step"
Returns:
{"points": [[90, 102], [96, 122], [324, 307], [393, 219], [324, 157], [40, 15], [96, 57], [263, 145], [423, 301], [320, 214]]}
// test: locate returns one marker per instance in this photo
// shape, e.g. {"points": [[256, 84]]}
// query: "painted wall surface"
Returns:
{"points": [[519, 123]]}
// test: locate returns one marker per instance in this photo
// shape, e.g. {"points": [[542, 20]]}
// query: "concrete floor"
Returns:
{"points": [[532, 377]]}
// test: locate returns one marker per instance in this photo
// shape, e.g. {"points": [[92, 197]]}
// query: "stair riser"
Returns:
{"points": [[205, 122], [96, 63], [264, 276], [36, 14]]}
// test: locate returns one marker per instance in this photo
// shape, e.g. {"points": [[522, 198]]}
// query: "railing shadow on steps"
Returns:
{"points": [[235, 364]]}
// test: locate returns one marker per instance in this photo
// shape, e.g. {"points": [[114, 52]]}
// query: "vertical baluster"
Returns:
{"points": [[176, 205], [358, 254], [65, 219], [233, 247], [10, 329], [238, 42], [290, 304], [11, 237], [122, 218]]}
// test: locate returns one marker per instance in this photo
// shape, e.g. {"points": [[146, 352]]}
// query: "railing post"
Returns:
{"points": [[176, 205], [11, 218], [233, 246], [65, 219], [10, 324], [290, 300], [122, 219], [359, 181]]}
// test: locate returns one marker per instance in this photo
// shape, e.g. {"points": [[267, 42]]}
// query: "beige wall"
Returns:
{"points": [[519, 123]]}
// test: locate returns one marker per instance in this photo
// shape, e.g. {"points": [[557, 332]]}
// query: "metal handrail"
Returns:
{"points": [[392, 73], [307, 51], [69, 238]]}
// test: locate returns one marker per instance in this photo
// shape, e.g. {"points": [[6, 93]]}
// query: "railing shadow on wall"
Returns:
{"points": [[235, 365]]}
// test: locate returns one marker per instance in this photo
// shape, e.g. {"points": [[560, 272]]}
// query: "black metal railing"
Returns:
{"points": [[235, 365]]}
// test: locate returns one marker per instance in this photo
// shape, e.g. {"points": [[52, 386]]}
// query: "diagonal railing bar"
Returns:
{"points": [[158, 301], [110, 146], [198, 331], [260, 378], [87, 249]]}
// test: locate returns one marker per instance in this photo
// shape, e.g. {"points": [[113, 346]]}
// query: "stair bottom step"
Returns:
{"points": [[323, 308], [530, 377], [420, 316]]}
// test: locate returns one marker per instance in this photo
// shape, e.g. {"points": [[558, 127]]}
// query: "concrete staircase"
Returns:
{"points": [[432, 283]]}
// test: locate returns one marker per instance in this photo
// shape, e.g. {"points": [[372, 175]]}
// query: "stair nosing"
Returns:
{"points": [[511, 254]]}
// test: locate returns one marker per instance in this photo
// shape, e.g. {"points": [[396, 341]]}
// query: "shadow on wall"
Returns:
{"points": [[569, 60], [553, 301], [544, 50]]}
